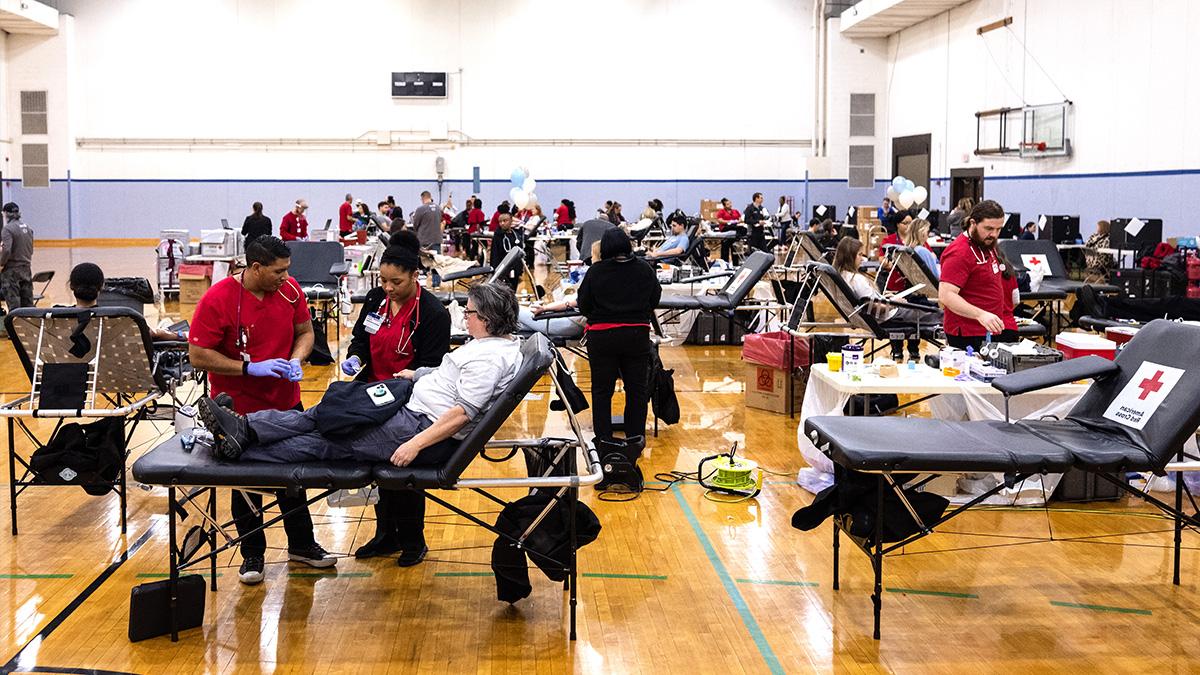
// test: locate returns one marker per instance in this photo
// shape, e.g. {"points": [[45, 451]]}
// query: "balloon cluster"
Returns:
{"points": [[523, 185], [904, 192]]}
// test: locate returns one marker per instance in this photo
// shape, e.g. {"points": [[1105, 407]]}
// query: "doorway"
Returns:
{"points": [[965, 183], [910, 158]]}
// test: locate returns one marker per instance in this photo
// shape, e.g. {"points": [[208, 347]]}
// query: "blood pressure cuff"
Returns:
{"points": [[349, 408]]}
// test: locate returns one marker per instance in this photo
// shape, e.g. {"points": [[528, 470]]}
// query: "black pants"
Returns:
{"points": [[623, 353], [727, 244], [248, 519], [758, 237], [976, 341], [401, 514]]}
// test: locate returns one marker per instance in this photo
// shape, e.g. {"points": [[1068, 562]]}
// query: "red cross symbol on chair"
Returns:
{"points": [[1035, 262], [1151, 385]]}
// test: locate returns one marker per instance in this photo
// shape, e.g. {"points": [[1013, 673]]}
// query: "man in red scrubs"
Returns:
{"points": [[250, 333], [346, 219], [729, 220], [294, 225], [972, 288]]}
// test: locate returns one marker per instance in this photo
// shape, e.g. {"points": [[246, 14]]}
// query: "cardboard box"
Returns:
{"points": [[186, 310], [194, 281], [766, 388], [708, 210]]}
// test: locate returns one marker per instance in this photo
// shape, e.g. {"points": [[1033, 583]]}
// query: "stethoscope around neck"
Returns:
{"points": [[384, 312], [243, 337]]}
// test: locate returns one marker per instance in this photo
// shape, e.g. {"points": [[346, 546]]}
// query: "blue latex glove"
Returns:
{"points": [[351, 365], [280, 368], [295, 371]]}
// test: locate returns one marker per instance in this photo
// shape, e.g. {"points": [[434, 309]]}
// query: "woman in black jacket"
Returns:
{"points": [[400, 327], [618, 296]]}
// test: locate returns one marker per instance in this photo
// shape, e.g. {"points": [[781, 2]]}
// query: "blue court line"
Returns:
{"points": [[739, 602]]}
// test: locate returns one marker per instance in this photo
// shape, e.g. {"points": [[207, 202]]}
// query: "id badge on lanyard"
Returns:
{"points": [[373, 323]]}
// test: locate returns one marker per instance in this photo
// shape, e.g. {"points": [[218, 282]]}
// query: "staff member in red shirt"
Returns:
{"points": [[400, 327], [895, 282], [972, 288], [250, 333], [346, 219], [294, 226], [728, 219], [565, 214]]}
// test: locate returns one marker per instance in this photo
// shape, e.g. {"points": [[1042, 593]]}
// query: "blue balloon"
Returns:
{"points": [[908, 185], [518, 177], [898, 183]]}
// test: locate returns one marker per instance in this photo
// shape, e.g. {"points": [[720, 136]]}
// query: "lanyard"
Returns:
{"points": [[406, 336]]}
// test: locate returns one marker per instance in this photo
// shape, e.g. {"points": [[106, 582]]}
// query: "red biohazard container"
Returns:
{"points": [[1076, 345]]}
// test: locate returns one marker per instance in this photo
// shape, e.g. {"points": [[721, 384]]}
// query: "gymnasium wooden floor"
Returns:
{"points": [[676, 583]]}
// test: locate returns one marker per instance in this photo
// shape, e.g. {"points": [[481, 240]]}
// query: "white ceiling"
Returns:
{"points": [[28, 17], [881, 18]]}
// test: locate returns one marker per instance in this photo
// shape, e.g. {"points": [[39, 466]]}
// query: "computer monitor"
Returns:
{"points": [[1125, 234], [1059, 229], [225, 224], [1012, 226]]}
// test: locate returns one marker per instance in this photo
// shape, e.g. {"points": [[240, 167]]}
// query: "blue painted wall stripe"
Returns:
{"points": [[760, 640]]}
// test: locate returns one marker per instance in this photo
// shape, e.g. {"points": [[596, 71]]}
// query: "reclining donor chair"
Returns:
{"points": [[192, 477], [1135, 416]]}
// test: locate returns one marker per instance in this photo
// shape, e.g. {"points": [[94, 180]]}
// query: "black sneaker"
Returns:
{"points": [[412, 556], [382, 544], [313, 556], [251, 571], [231, 432]]}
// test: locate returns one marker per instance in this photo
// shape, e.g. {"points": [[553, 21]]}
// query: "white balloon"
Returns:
{"points": [[529, 185], [512, 195], [532, 199], [520, 197], [892, 194], [906, 199], [920, 194]]}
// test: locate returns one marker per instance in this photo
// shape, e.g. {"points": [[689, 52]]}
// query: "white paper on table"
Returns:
{"points": [[1133, 227], [821, 210]]}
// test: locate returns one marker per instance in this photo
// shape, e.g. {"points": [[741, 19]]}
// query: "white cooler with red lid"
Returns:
{"points": [[1076, 345]]}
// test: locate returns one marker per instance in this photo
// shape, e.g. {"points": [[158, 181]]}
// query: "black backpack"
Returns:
{"points": [[89, 455], [662, 392]]}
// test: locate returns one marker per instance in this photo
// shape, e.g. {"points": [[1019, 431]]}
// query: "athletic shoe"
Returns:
{"points": [[231, 432], [251, 571], [411, 556], [313, 556]]}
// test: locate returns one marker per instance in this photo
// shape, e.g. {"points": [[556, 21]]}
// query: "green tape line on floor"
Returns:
{"points": [[328, 575], [778, 582], [1102, 608], [940, 594], [36, 576], [603, 575]]}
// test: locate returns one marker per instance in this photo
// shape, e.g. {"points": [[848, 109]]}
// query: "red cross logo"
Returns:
{"points": [[1035, 262], [1151, 385]]}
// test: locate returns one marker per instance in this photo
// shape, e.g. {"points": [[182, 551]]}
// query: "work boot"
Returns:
{"points": [[224, 400], [231, 433]]}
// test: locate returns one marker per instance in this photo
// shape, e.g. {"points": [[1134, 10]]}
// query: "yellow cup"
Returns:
{"points": [[834, 359]]}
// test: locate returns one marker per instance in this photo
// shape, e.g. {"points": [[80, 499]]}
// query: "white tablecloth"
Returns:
{"points": [[827, 393]]}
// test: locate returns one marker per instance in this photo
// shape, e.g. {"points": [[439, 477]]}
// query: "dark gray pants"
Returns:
{"points": [[16, 285], [289, 436]]}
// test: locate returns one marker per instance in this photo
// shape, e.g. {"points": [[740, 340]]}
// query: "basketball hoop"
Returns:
{"points": [[1034, 146]]}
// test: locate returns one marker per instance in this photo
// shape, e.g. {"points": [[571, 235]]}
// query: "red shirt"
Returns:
{"points": [[896, 282], [346, 219], [494, 222], [293, 227], [564, 215], [977, 273], [269, 329], [726, 215], [392, 348], [474, 219]]}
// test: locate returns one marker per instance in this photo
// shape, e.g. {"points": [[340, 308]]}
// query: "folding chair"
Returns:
{"points": [[319, 267], [44, 278], [81, 363]]}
